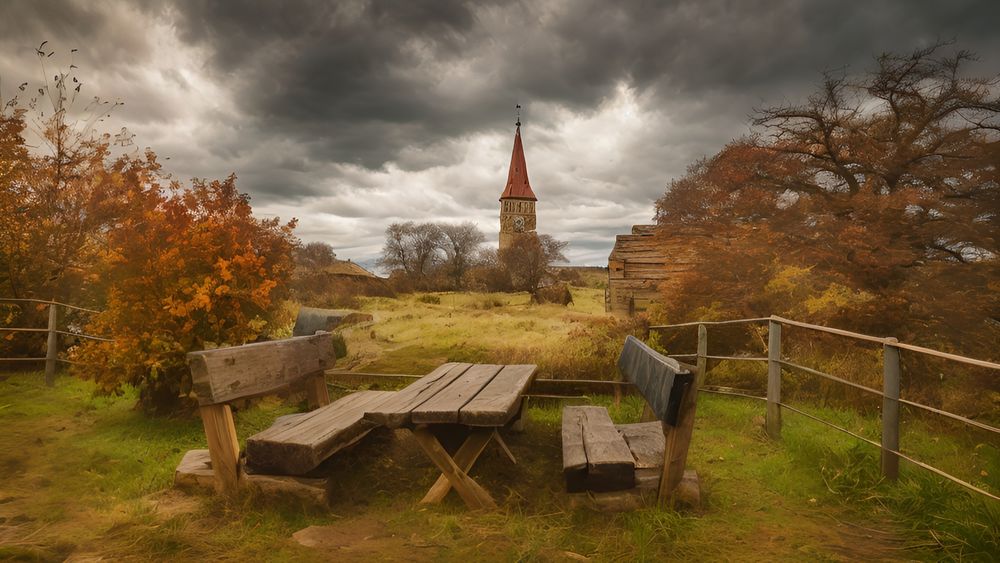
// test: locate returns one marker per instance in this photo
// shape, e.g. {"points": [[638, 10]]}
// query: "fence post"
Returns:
{"points": [[702, 352], [773, 379], [890, 409], [52, 347]]}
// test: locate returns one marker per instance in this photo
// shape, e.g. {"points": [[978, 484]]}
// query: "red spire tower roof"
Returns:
{"points": [[517, 179]]}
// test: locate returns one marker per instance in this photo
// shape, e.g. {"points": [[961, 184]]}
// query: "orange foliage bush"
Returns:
{"points": [[192, 269]]}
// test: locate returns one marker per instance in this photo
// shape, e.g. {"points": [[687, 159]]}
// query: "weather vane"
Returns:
{"points": [[518, 107]]}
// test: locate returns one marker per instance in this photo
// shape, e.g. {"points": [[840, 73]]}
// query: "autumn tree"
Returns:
{"points": [[60, 199], [191, 269], [865, 204], [62, 189], [529, 260]]}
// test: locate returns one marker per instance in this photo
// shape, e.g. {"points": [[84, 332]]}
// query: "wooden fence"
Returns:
{"points": [[890, 387], [52, 331]]}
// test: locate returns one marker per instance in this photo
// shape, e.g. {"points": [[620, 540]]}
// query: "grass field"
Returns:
{"points": [[90, 477]]}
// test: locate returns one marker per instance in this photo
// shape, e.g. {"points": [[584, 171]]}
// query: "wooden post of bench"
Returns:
{"points": [[221, 375], [678, 438], [774, 379], [223, 446], [317, 393]]}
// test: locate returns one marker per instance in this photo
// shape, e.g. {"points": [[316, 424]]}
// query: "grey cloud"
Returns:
{"points": [[335, 109]]}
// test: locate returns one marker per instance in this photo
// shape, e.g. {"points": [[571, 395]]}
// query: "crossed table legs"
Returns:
{"points": [[454, 468]]}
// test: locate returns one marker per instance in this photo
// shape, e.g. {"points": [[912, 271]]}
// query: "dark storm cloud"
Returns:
{"points": [[369, 79], [324, 107]]}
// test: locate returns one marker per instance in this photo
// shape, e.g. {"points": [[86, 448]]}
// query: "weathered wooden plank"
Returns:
{"points": [[194, 472], [444, 407], [610, 466], [499, 401], [235, 372], [574, 454], [595, 456], [396, 411], [311, 319], [297, 445], [654, 375], [645, 440]]}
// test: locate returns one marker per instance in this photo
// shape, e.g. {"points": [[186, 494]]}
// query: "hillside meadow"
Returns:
{"points": [[90, 477]]}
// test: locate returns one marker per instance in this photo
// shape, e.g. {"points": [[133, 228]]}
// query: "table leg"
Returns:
{"points": [[465, 458], [470, 491], [503, 446]]}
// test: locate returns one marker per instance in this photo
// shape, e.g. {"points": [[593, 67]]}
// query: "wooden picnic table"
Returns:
{"points": [[476, 398]]}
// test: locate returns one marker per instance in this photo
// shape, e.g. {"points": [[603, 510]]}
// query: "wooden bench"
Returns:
{"points": [[600, 456], [295, 444]]}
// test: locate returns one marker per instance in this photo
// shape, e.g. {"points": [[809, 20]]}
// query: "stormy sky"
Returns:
{"points": [[353, 115]]}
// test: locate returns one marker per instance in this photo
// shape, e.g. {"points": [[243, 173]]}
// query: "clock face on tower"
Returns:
{"points": [[519, 224]]}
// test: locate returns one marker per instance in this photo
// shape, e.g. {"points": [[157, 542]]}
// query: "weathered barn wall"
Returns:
{"points": [[644, 266]]}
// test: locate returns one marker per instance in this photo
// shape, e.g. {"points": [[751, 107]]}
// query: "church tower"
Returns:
{"points": [[517, 203]]}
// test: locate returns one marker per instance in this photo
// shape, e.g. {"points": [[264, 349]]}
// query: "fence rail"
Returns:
{"points": [[891, 400], [51, 358]]}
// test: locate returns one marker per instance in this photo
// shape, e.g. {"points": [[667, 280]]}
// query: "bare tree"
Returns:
{"points": [[414, 248], [396, 251], [315, 256], [530, 258], [460, 244]]}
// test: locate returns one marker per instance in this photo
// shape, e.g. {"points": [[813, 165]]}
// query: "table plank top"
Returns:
{"points": [[498, 402], [470, 394]]}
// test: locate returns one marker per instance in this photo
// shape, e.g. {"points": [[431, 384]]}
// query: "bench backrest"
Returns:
{"points": [[661, 380], [238, 372]]}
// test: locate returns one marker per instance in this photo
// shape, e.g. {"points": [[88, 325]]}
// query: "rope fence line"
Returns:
{"points": [[53, 331], [891, 400], [45, 302], [918, 463]]}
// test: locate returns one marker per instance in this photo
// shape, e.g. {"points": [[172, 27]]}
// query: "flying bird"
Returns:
{"points": [[73, 50]]}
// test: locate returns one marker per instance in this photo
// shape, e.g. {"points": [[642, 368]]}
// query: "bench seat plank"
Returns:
{"points": [[396, 411], [595, 456], [500, 399], [444, 407], [646, 441], [297, 444]]}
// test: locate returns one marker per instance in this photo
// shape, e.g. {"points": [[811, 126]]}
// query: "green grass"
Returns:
{"points": [[87, 475]]}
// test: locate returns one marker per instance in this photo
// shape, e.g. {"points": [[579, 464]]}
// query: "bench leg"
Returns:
{"points": [[465, 458], [470, 491], [317, 393], [223, 446]]}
